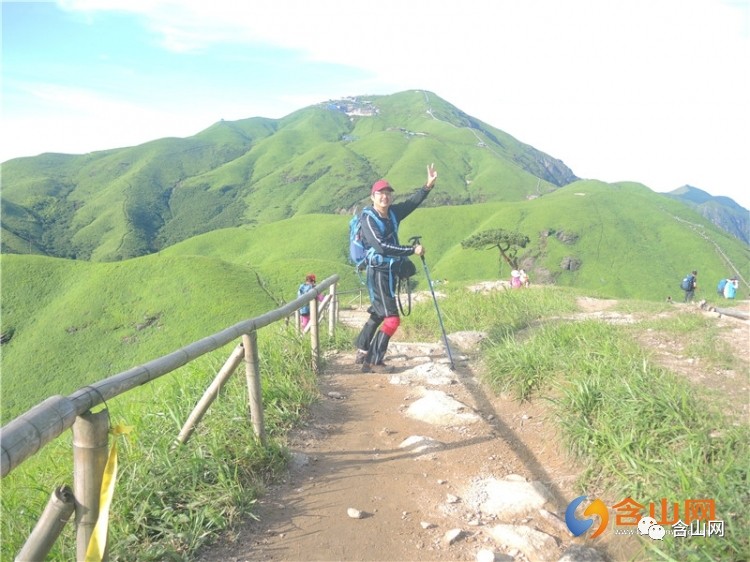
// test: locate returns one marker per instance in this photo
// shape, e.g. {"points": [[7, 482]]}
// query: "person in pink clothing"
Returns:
{"points": [[304, 312], [515, 279]]}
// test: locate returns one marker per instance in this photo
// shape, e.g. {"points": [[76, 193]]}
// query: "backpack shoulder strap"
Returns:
{"points": [[371, 212]]}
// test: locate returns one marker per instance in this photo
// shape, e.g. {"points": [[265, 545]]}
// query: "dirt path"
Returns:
{"points": [[351, 454], [348, 456]]}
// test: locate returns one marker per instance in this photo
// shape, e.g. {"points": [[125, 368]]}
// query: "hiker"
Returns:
{"points": [[730, 288], [304, 312], [515, 279], [524, 278], [382, 238], [689, 285], [720, 287]]}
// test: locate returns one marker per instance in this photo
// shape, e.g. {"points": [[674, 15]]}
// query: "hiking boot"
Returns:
{"points": [[360, 358], [381, 368]]}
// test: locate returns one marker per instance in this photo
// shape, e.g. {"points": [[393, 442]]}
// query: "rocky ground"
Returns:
{"points": [[425, 464]]}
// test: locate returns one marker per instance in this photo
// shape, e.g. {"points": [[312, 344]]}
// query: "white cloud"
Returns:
{"points": [[641, 90]]}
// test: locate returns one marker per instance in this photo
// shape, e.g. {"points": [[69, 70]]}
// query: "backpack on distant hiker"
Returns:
{"points": [[720, 287], [687, 282], [304, 288]]}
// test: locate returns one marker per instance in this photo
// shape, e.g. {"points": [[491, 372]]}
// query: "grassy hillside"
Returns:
{"points": [[94, 319], [123, 203], [631, 242], [76, 322]]}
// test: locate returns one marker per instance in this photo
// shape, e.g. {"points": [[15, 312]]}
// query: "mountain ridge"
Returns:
{"points": [[722, 211], [122, 203]]}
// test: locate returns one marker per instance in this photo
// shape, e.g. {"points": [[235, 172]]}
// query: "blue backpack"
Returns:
{"points": [[358, 254], [720, 287], [304, 288], [687, 282]]}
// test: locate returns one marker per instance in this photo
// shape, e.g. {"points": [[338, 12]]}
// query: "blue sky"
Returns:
{"points": [[653, 91]]}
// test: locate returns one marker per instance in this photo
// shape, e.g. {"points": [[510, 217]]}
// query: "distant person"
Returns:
{"points": [[720, 287], [381, 238], [730, 289], [524, 277], [689, 285], [308, 285], [515, 279]]}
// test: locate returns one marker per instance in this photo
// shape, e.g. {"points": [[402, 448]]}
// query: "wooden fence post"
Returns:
{"points": [[90, 452], [59, 508], [314, 339], [333, 311], [252, 375], [211, 393]]}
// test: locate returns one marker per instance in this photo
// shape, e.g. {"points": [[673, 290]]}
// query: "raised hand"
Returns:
{"points": [[431, 176]]}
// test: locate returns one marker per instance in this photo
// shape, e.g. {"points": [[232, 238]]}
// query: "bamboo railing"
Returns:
{"points": [[30, 432]]}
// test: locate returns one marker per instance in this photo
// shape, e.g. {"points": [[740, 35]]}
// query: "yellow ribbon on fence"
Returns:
{"points": [[98, 541]]}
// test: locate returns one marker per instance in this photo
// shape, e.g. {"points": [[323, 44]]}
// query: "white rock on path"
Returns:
{"points": [[508, 498], [486, 555], [429, 373], [354, 513], [437, 408], [452, 536]]}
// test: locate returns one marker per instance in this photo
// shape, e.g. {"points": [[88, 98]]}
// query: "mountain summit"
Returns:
{"points": [[122, 203]]}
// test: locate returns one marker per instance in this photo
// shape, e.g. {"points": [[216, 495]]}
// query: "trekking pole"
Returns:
{"points": [[414, 241]]}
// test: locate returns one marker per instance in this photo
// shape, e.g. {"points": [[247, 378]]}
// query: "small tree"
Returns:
{"points": [[507, 242]]}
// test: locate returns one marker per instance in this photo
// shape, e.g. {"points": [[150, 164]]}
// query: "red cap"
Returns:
{"points": [[310, 277], [380, 185]]}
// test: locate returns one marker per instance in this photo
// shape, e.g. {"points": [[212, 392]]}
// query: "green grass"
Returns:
{"points": [[78, 322], [499, 312], [171, 500], [607, 250], [642, 431]]}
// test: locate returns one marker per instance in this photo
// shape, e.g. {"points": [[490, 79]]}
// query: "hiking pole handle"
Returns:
{"points": [[416, 241]]}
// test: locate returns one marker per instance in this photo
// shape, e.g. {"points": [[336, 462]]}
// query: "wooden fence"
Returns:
{"points": [[31, 431]]}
